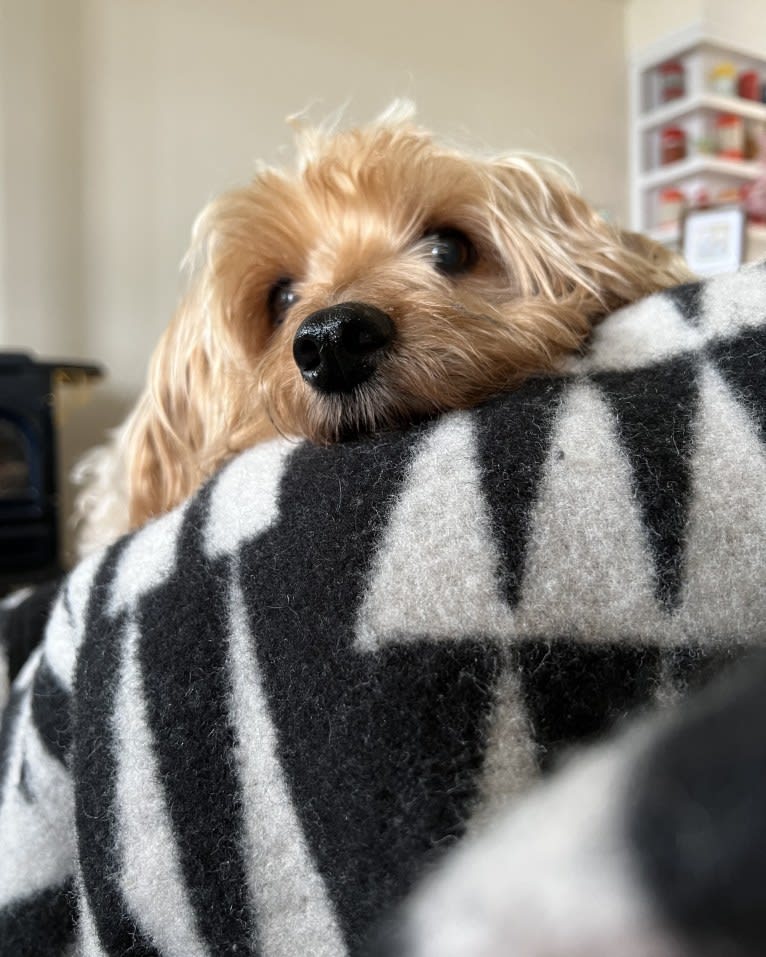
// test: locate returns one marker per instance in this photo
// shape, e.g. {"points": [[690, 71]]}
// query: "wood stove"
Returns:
{"points": [[29, 533]]}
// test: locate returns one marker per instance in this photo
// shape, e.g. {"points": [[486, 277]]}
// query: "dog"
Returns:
{"points": [[386, 277]]}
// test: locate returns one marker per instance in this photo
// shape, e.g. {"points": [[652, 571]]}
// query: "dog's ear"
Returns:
{"points": [[199, 406], [558, 247], [201, 403], [662, 260], [169, 429], [152, 461]]}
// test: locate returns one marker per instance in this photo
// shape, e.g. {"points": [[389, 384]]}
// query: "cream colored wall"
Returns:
{"points": [[41, 176], [120, 118], [648, 20], [740, 22]]}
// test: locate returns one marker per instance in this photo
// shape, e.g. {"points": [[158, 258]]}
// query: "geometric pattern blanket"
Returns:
{"points": [[253, 725], [650, 845]]}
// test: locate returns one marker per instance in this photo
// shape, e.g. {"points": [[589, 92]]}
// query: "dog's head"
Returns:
{"points": [[384, 278]]}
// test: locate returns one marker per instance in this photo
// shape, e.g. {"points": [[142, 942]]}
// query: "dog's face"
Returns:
{"points": [[385, 278], [379, 286], [390, 278]]}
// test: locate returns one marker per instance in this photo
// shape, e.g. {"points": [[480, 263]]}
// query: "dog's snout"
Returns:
{"points": [[340, 347]]}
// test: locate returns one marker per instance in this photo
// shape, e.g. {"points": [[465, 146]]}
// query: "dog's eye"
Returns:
{"points": [[281, 297], [450, 251]]}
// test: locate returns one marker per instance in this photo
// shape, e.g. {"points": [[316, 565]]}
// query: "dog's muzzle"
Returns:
{"points": [[338, 348]]}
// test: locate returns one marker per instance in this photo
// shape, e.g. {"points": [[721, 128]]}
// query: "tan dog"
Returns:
{"points": [[385, 278]]}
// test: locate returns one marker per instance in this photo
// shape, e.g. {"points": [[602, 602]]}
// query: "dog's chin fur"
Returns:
{"points": [[346, 224]]}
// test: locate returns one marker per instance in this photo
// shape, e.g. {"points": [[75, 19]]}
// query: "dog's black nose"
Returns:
{"points": [[339, 347]]}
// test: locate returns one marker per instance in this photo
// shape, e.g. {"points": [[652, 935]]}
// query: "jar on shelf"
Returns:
{"points": [[729, 194], [670, 206], [723, 78], [705, 145], [749, 85], [755, 202], [672, 81], [730, 136], [672, 145], [754, 131], [755, 193]]}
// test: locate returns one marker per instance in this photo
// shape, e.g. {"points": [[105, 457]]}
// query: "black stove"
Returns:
{"points": [[29, 532]]}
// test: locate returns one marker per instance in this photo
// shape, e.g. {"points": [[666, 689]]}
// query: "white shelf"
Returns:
{"points": [[667, 235], [671, 235], [692, 37], [696, 166], [695, 112], [676, 109]]}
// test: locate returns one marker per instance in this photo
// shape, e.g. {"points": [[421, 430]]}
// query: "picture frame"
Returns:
{"points": [[713, 238]]}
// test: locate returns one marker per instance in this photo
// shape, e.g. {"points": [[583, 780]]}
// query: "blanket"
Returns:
{"points": [[254, 724], [650, 845]]}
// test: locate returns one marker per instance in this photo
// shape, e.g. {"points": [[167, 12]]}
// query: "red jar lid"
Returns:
{"points": [[671, 195]]}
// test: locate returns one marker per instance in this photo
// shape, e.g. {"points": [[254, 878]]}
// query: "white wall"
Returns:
{"points": [[740, 22], [120, 118], [41, 178], [648, 20]]}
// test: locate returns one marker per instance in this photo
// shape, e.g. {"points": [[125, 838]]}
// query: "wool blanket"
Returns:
{"points": [[252, 726]]}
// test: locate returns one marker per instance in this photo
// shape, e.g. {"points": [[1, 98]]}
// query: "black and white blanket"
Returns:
{"points": [[252, 726]]}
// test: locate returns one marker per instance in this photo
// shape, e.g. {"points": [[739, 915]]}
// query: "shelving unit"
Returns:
{"points": [[698, 166], [695, 112]]}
